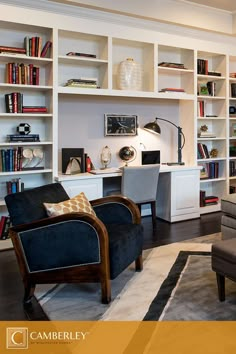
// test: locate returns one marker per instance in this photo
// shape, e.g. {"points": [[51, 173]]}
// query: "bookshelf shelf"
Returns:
{"points": [[213, 104], [81, 60], [33, 95], [31, 172], [213, 180]]}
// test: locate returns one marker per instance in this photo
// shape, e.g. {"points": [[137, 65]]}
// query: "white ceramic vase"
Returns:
{"points": [[129, 75]]}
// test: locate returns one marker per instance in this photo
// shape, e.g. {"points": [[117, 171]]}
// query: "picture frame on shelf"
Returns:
{"points": [[204, 171], [120, 125]]}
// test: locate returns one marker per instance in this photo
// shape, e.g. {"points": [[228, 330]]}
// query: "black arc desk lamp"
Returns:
{"points": [[153, 127]]}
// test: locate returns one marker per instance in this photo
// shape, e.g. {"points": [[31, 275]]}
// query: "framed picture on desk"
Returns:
{"points": [[120, 125]]}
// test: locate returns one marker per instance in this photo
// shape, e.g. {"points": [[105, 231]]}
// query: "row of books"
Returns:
{"points": [[232, 168], [14, 186], [232, 189], [32, 46], [203, 68], [233, 90], [201, 110], [210, 170], [22, 74], [202, 151], [207, 200], [207, 88], [11, 159], [5, 223], [14, 104], [83, 83]]}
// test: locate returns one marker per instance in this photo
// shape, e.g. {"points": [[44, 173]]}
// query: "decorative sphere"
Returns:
{"points": [[127, 153], [23, 129]]}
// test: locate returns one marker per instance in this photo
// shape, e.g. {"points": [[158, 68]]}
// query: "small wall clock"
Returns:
{"points": [[120, 125]]}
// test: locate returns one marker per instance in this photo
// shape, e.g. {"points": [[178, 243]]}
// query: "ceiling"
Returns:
{"points": [[228, 5]]}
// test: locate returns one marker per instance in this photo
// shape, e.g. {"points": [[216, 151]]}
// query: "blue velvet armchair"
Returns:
{"points": [[74, 247]]}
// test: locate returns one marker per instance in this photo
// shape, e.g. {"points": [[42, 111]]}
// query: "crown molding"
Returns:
{"points": [[75, 9]]}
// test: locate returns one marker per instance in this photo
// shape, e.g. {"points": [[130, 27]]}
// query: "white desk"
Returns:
{"points": [[177, 196]]}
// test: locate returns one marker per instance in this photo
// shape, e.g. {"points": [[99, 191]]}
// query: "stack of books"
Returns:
{"points": [[172, 89], [167, 64], [34, 109], [211, 200], [78, 54], [83, 82], [12, 50], [206, 135], [207, 200], [23, 138]]}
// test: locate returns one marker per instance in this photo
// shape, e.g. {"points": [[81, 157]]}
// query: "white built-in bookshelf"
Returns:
{"points": [[109, 47]]}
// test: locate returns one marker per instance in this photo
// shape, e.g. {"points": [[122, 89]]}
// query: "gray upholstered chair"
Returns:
{"points": [[139, 183], [74, 247]]}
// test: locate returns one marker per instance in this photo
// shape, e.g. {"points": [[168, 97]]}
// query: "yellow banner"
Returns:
{"points": [[109, 337]]}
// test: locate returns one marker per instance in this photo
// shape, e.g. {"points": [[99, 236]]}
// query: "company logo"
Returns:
{"points": [[17, 338]]}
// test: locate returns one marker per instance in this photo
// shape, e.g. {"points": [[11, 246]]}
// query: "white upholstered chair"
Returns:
{"points": [[139, 183]]}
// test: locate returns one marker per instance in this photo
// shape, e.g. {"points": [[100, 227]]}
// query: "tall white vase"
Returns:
{"points": [[129, 75]]}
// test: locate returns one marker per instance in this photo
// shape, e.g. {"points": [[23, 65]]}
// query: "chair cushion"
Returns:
{"points": [[225, 250], [125, 245], [27, 206], [77, 204], [228, 205]]}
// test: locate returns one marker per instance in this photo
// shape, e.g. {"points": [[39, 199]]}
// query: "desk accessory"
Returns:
{"points": [[153, 127], [106, 156], [127, 154], [73, 156]]}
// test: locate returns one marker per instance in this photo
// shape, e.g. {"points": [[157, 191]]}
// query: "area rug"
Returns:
{"points": [[177, 283]]}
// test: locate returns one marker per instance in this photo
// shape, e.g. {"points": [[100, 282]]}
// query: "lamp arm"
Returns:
{"points": [[176, 126], [180, 136], [168, 121]]}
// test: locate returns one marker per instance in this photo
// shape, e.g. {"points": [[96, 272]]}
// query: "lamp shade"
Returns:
{"points": [[153, 127]]}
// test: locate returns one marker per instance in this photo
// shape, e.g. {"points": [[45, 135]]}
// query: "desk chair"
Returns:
{"points": [[139, 183]]}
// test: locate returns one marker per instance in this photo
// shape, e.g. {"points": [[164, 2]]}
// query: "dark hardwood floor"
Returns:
{"points": [[11, 288]]}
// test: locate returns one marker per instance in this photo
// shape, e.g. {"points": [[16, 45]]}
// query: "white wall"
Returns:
{"points": [[81, 122]]}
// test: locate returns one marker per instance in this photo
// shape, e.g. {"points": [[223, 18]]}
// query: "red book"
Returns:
{"points": [[45, 49], [12, 49], [14, 100], [9, 73], [30, 81], [34, 109], [33, 44], [2, 223]]}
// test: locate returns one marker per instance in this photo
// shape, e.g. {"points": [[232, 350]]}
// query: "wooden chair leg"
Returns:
{"points": [[139, 264], [106, 290], [221, 286], [153, 208], [29, 292]]}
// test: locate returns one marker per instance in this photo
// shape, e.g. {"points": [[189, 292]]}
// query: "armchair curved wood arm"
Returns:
{"points": [[126, 203]]}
